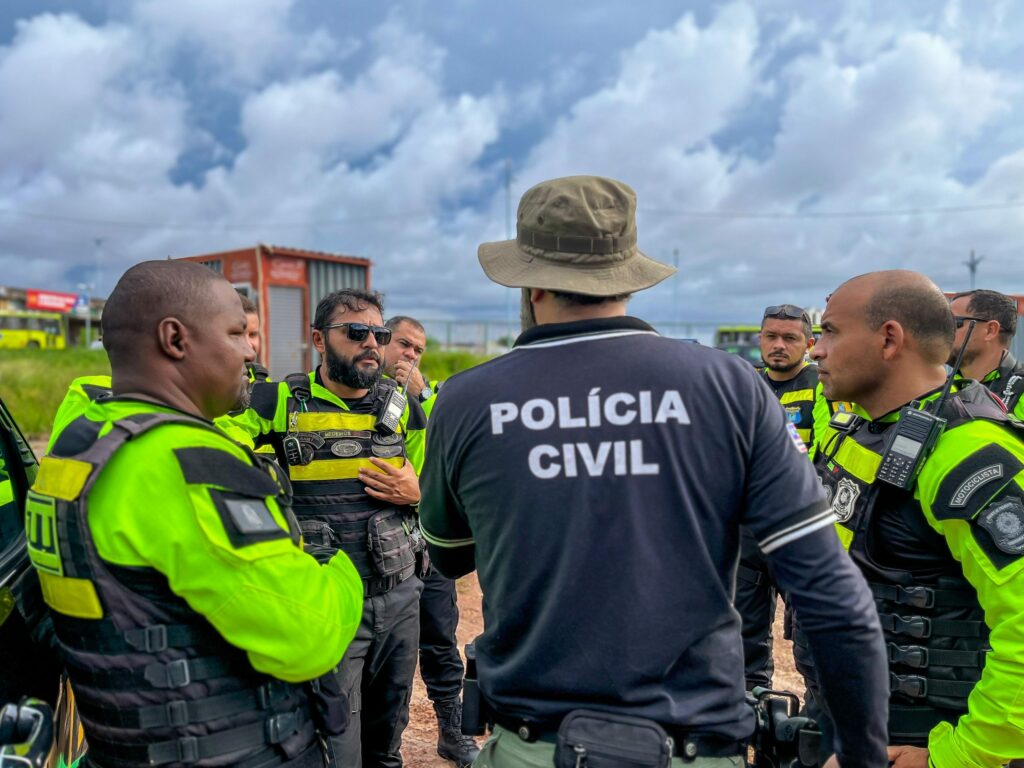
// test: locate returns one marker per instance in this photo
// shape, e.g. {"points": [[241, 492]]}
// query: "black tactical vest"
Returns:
{"points": [[155, 683], [933, 625], [1008, 385], [331, 504]]}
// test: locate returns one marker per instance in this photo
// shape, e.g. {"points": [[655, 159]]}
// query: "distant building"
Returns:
{"points": [[287, 284], [77, 309]]}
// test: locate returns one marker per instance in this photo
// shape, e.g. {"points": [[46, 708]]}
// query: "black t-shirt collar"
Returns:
{"points": [[552, 331]]}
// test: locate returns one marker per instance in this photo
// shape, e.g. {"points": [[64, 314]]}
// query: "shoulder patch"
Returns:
{"points": [[1004, 521], [969, 486], [247, 520], [999, 529]]}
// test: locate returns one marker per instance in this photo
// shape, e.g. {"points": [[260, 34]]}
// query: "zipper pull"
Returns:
{"points": [[293, 424], [581, 754]]}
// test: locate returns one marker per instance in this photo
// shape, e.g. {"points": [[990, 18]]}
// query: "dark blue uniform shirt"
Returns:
{"points": [[597, 476]]}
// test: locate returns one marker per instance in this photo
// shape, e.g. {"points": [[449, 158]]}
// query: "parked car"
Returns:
{"points": [[30, 675]]}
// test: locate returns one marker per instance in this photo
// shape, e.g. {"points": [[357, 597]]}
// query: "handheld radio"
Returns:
{"points": [[390, 415], [914, 437]]}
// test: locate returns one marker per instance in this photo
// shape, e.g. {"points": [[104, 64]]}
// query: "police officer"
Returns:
{"points": [[185, 608], [440, 663], [255, 336], [785, 338], [352, 445], [596, 477], [988, 358], [943, 554]]}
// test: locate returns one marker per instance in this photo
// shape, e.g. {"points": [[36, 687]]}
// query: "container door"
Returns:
{"points": [[287, 333]]}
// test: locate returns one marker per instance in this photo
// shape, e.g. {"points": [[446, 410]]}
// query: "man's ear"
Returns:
{"points": [[318, 340], [810, 343], [893, 339], [536, 294], [992, 329], [172, 337]]}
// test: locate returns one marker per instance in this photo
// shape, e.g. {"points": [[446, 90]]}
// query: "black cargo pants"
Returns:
{"points": [[440, 663], [376, 675], [756, 596]]}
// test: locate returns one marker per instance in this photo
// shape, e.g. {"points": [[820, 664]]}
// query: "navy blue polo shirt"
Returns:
{"points": [[597, 475]]}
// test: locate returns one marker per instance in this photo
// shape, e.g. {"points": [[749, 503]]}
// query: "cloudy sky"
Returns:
{"points": [[777, 148]]}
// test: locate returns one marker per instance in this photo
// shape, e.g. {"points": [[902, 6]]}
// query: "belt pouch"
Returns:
{"points": [[589, 739], [390, 546]]}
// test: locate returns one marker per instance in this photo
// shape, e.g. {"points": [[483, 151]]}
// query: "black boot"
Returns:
{"points": [[452, 744]]}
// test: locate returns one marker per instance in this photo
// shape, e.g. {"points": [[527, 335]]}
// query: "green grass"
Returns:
{"points": [[33, 382], [438, 365]]}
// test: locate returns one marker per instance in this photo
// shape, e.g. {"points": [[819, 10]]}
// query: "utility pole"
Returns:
{"points": [[972, 265]]}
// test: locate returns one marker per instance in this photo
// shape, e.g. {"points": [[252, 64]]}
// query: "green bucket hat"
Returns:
{"points": [[578, 235]]}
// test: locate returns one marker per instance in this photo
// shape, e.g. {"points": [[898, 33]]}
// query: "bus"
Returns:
{"points": [[742, 340], [26, 329], [745, 341]]}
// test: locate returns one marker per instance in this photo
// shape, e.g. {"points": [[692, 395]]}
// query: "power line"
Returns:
{"points": [[314, 223], [212, 227], [835, 214]]}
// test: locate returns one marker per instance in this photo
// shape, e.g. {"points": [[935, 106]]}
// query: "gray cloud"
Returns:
{"points": [[362, 140]]}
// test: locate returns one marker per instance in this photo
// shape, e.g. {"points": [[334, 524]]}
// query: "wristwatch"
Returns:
{"points": [[426, 393]]}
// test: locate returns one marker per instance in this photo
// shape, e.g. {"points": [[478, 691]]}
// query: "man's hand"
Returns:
{"points": [[831, 763], [908, 757], [398, 486], [410, 378]]}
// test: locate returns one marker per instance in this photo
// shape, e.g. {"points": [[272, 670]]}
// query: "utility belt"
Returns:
{"points": [[592, 738], [387, 548], [606, 738]]}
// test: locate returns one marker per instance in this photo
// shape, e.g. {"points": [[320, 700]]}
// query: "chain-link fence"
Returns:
{"points": [[490, 337]]}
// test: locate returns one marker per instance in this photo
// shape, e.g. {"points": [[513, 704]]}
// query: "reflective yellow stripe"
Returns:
{"points": [[338, 469], [72, 597], [61, 478], [336, 420], [845, 536], [318, 422], [805, 435], [858, 460], [797, 394]]}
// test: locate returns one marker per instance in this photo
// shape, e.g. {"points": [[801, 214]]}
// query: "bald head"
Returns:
{"points": [[149, 292], [913, 301]]}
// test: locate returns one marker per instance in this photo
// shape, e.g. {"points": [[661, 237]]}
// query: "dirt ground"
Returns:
{"points": [[419, 747]]}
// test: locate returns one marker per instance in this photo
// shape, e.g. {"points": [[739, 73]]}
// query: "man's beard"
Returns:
{"points": [[344, 370], [244, 395], [781, 368], [526, 317], [969, 357]]}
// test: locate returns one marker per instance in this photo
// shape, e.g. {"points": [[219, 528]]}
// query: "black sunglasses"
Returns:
{"points": [[359, 332], [960, 320], [788, 311]]}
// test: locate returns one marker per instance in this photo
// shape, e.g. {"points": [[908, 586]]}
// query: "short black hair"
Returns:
{"points": [[585, 300], [248, 305], [780, 314], [149, 292], [992, 305], [397, 320], [922, 311], [353, 299]]}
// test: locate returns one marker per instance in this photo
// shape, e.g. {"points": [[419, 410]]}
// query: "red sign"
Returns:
{"points": [[286, 270], [50, 301]]}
